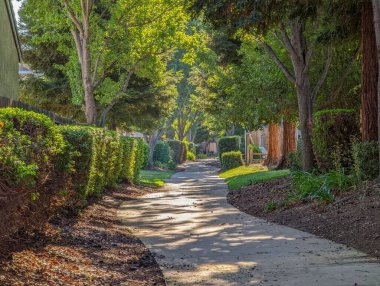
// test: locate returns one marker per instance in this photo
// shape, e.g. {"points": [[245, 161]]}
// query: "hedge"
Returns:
{"points": [[179, 150], [161, 152], [44, 167], [33, 167], [366, 160], [231, 160], [332, 135], [227, 144]]}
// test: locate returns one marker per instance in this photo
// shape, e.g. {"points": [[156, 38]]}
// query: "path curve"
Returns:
{"points": [[200, 239]]}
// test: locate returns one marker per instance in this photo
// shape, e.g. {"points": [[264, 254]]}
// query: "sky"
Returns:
{"points": [[16, 7]]}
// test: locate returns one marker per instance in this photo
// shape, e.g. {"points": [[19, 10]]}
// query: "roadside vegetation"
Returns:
{"points": [[154, 178]]}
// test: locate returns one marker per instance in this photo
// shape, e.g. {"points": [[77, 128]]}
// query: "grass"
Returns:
{"points": [[248, 175], [154, 178]]}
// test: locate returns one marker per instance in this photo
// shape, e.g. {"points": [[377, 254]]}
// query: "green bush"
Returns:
{"points": [[332, 134], [161, 152], [202, 156], [227, 144], [190, 156], [179, 150], [366, 160], [255, 149], [294, 160], [146, 155], [33, 169], [231, 160], [308, 186]]}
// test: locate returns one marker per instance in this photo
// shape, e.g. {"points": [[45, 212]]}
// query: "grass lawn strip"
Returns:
{"points": [[155, 178]]}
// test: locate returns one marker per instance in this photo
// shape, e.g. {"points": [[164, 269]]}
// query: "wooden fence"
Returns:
{"points": [[8, 102]]}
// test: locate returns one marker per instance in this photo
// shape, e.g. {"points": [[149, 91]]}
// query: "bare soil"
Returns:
{"points": [[352, 219], [94, 248]]}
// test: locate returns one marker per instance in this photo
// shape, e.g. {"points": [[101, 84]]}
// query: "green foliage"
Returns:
{"points": [[190, 156], [308, 186], [161, 152], [179, 150], [294, 160], [332, 134], [255, 149], [366, 160], [227, 144], [270, 206], [146, 155], [201, 156], [231, 160]]}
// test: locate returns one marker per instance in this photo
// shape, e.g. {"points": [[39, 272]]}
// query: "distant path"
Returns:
{"points": [[200, 240]]}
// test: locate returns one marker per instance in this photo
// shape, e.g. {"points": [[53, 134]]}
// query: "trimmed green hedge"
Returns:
{"points": [[333, 132], [179, 150], [227, 144], [231, 160], [44, 167], [33, 169], [161, 152]]}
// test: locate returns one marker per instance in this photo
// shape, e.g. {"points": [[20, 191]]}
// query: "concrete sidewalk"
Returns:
{"points": [[199, 239]]}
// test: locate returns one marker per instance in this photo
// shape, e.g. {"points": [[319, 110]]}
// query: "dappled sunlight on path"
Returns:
{"points": [[199, 239]]}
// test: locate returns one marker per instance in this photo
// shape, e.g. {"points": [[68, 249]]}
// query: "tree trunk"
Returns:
{"points": [[89, 99], [376, 20], [274, 146], [369, 75], [153, 139], [289, 142]]}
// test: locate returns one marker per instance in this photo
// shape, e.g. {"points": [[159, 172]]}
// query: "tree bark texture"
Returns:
{"points": [[274, 148], [369, 124], [289, 141]]}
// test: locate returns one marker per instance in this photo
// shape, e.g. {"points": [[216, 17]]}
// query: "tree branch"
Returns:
{"points": [[279, 63], [286, 42], [324, 73], [72, 17]]}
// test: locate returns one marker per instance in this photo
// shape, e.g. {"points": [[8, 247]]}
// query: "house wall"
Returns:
{"points": [[8, 56]]}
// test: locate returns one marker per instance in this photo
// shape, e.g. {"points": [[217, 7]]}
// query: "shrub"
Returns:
{"points": [[231, 160], [332, 134], [227, 144], [255, 149], [294, 160], [202, 156], [191, 156], [33, 168], [366, 160], [161, 152], [146, 155], [179, 150], [308, 186]]}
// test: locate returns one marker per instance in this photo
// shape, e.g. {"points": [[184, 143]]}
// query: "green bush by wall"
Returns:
{"points": [[332, 136], [232, 159], [227, 144]]}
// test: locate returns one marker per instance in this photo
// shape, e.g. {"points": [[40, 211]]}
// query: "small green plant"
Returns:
{"points": [[255, 149], [270, 206], [190, 156], [231, 160], [202, 156], [366, 160]]}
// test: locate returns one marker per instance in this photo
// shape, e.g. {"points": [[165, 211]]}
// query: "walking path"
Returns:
{"points": [[199, 239]]}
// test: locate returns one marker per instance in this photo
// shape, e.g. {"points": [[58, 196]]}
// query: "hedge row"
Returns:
{"points": [[179, 150], [231, 160], [44, 167], [228, 144]]}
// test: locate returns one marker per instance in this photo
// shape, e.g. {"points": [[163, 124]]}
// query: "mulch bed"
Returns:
{"points": [[352, 219], [92, 249]]}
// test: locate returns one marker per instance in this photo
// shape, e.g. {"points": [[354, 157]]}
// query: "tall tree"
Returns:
{"points": [[110, 41], [369, 74]]}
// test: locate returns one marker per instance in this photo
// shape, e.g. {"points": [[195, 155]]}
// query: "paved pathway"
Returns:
{"points": [[199, 239]]}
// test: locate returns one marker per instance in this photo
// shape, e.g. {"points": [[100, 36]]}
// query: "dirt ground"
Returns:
{"points": [[92, 249], [352, 219]]}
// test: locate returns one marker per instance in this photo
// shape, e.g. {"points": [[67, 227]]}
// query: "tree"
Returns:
{"points": [[295, 24], [369, 75], [109, 42]]}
